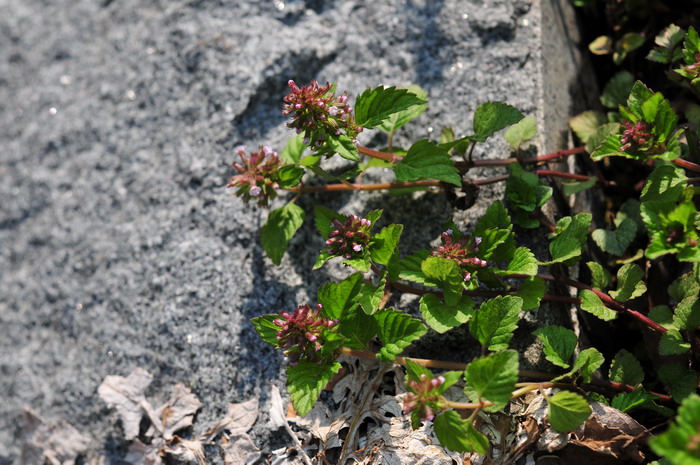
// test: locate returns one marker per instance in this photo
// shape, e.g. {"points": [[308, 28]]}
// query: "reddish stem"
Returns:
{"points": [[562, 174], [689, 165], [390, 157], [364, 187], [465, 165]]}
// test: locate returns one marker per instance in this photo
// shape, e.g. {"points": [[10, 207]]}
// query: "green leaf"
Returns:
{"points": [[266, 329], [362, 264], [357, 328], [667, 40], [531, 291], [371, 296], [322, 258], [617, 89], [492, 378], [396, 332], [442, 317], [522, 131], [409, 269], [526, 190], [523, 262], [663, 187], [663, 316], [626, 369], [374, 106], [323, 217], [672, 343], [626, 401], [616, 242], [687, 313], [640, 93], [630, 283], [681, 381], [601, 45], [587, 362], [629, 42], [306, 380], [496, 217], [448, 276], [459, 435], [586, 124], [574, 187], [685, 286], [426, 160], [339, 298], [289, 176], [414, 371], [384, 243], [567, 411], [600, 277], [490, 117], [495, 321], [345, 147], [567, 246], [559, 344], [679, 443], [398, 119], [280, 227], [292, 152], [591, 303], [492, 239]]}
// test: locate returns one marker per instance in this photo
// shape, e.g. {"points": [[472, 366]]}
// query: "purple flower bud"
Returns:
{"points": [[357, 247], [467, 276], [255, 191], [448, 232], [239, 149], [333, 111]]}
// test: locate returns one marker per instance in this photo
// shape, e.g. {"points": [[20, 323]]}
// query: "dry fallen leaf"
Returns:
{"points": [[145, 454], [177, 413], [58, 443], [187, 450], [240, 450], [126, 395]]}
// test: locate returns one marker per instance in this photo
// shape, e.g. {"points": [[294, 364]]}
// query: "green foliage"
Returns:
{"points": [[672, 343], [400, 118], [626, 369], [492, 378], [384, 244], [396, 332], [591, 303], [426, 160], [681, 381], [600, 277], [495, 321], [374, 106], [459, 435], [617, 89], [280, 227], [491, 117], [447, 275], [587, 362], [266, 329], [345, 147], [567, 411], [667, 41], [292, 152], [626, 401], [559, 344], [616, 242], [531, 291], [629, 283], [691, 49], [679, 443], [442, 317], [306, 380], [339, 298], [526, 192], [520, 132], [571, 237]]}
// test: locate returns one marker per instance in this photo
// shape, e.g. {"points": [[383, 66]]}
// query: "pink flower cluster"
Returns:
{"points": [[462, 251], [257, 174], [635, 136], [301, 333], [317, 113], [350, 238], [424, 397]]}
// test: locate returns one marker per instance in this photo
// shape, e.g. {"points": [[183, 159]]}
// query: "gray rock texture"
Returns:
{"points": [[121, 247]]}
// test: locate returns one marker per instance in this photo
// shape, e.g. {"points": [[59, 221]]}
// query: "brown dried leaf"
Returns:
{"points": [[238, 420], [58, 442], [240, 450], [187, 450], [177, 413], [126, 395], [145, 454]]}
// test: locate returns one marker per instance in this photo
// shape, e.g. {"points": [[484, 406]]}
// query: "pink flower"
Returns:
{"points": [[257, 174]]}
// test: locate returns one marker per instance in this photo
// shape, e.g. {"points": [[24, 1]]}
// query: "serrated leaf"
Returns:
{"points": [[374, 106], [459, 435], [496, 217], [600, 277], [357, 329], [526, 190], [522, 131], [384, 243], [559, 344], [626, 401], [371, 296], [675, 444], [292, 152], [626, 369], [617, 89], [495, 321], [396, 332], [447, 275], [685, 286], [426, 160], [681, 381], [587, 362], [345, 147], [605, 142], [492, 239], [492, 378], [442, 317], [672, 343], [523, 262], [616, 242], [567, 411], [662, 315], [414, 370], [671, 36], [591, 303], [409, 268], [569, 243], [586, 124], [322, 258], [266, 329], [531, 291], [280, 227], [338, 298], [289, 176], [630, 283], [362, 264], [574, 187], [306, 380], [491, 117], [398, 119], [663, 187], [687, 313], [323, 218]]}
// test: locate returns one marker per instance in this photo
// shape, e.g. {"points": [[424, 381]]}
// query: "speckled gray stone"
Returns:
{"points": [[120, 246]]}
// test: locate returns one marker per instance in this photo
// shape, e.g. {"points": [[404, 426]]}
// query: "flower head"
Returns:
{"points": [[635, 136], [462, 251], [303, 333], [350, 238], [424, 398], [319, 114], [257, 174]]}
